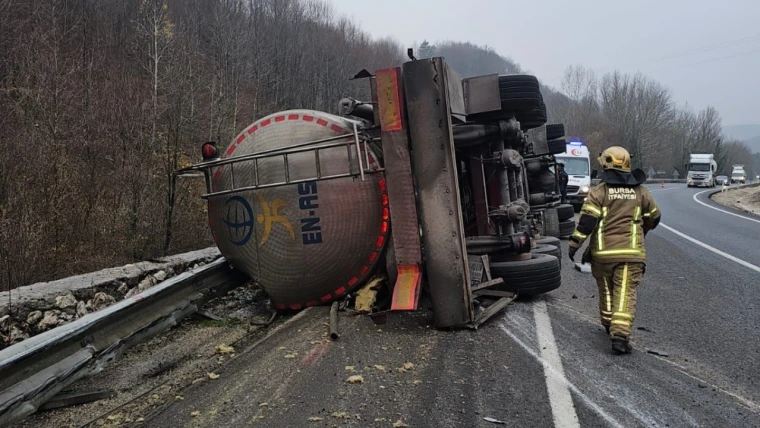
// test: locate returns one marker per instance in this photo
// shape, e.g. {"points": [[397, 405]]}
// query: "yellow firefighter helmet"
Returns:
{"points": [[616, 157]]}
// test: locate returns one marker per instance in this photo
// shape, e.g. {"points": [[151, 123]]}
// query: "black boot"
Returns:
{"points": [[606, 328], [621, 345]]}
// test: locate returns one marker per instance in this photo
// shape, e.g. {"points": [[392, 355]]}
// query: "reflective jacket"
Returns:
{"points": [[616, 217]]}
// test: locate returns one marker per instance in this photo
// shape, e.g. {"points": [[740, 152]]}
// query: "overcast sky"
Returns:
{"points": [[707, 52]]}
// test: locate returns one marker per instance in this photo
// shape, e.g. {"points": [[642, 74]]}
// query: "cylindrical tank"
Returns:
{"points": [[308, 243]]}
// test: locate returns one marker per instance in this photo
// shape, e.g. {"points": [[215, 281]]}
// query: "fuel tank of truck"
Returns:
{"points": [[309, 242]]}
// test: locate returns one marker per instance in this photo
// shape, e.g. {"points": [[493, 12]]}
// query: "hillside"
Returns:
{"points": [[748, 133], [753, 144], [742, 132]]}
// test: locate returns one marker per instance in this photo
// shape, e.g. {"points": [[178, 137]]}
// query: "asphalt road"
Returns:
{"points": [[545, 362]]}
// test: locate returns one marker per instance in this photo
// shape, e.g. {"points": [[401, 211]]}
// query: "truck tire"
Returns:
{"points": [[565, 212], [550, 240], [551, 250], [540, 274], [519, 93], [557, 146], [543, 181], [555, 131], [566, 228], [551, 223], [520, 104], [518, 79]]}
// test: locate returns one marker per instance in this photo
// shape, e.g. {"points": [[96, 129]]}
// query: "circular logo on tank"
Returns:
{"points": [[576, 152], [238, 218]]}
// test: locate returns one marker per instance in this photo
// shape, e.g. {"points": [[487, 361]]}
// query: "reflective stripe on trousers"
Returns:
{"points": [[617, 294]]}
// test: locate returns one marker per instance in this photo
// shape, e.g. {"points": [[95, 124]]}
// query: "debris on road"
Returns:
{"points": [[356, 379], [583, 267], [315, 419], [644, 329], [366, 297], [195, 414], [334, 335], [400, 424], [213, 376], [494, 421], [406, 367], [658, 353], [225, 349]]}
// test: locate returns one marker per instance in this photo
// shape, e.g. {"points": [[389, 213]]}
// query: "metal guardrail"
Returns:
{"points": [[33, 371]]}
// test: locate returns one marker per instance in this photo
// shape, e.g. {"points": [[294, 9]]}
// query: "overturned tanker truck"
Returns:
{"points": [[429, 179]]}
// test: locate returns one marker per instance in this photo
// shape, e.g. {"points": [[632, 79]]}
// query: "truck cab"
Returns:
{"points": [[738, 176], [577, 163], [702, 170]]}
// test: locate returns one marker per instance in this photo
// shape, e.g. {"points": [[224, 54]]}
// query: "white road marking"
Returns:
{"points": [[749, 404], [558, 375], [560, 399], [662, 190], [723, 211], [713, 249]]}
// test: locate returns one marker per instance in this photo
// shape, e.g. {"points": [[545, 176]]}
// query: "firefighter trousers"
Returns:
{"points": [[617, 294]]}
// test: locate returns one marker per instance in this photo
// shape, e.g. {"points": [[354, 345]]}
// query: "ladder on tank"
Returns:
{"points": [[356, 142]]}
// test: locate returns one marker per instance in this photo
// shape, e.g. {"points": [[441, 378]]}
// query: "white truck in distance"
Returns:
{"points": [[738, 175], [701, 170]]}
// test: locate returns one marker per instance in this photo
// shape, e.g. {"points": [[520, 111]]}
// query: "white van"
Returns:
{"points": [[577, 163]]}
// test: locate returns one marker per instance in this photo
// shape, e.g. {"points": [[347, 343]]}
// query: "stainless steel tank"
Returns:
{"points": [[307, 243]]}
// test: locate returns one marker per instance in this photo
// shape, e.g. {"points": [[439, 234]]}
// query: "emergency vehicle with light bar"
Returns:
{"points": [[577, 162]]}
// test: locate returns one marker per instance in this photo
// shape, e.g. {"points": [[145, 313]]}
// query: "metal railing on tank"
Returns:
{"points": [[357, 149]]}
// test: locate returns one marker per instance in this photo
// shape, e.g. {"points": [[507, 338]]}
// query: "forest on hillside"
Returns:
{"points": [[633, 111], [100, 100]]}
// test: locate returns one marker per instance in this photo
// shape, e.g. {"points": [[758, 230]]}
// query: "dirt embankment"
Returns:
{"points": [[745, 199]]}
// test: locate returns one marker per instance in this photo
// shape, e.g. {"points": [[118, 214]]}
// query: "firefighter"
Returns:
{"points": [[563, 179], [615, 217]]}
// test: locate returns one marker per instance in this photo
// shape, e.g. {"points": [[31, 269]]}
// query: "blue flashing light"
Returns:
{"points": [[576, 143]]}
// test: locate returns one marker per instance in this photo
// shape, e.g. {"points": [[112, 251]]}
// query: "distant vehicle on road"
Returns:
{"points": [[738, 175], [577, 162], [721, 179], [701, 170]]}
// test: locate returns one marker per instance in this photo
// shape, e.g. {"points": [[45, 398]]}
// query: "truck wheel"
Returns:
{"points": [[550, 240], [557, 146], [518, 80], [540, 274], [532, 119], [554, 131], [519, 93], [551, 250], [566, 228], [565, 212], [551, 222]]}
